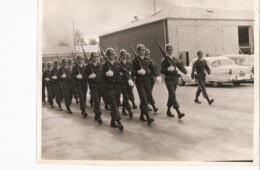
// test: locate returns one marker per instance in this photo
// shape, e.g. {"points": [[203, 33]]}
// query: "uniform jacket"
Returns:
{"points": [[76, 69], [175, 63], [54, 72], [91, 68], [200, 67], [47, 74], [67, 72]]}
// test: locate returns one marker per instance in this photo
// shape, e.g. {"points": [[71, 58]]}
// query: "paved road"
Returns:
{"points": [[223, 131]]}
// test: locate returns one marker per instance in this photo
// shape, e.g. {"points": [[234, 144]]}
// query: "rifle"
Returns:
{"points": [[136, 55], [86, 58], [104, 56], [60, 63], [120, 61], [163, 52], [75, 61]]}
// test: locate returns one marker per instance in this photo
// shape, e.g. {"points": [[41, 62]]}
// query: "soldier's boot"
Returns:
{"points": [[155, 109], [197, 101], [150, 109], [68, 110], [84, 113], [124, 111], [60, 108], [52, 106], [130, 113], [134, 105], [142, 118], [113, 123], [120, 126], [210, 101], [169, 113], [98, 118], [180, 115], [77, 100], [149, 119], [91, 104], [107, 106]]}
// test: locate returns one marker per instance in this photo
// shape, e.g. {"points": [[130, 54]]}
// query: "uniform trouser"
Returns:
{"points": [[50, 94], [82, 94], [124, 92], [130, 93], [66, 92], [171, 87], [57, 94], [112, 94], [74, 91], [151, 99], [152, 82], [105, 96], [43, 92], [145, 93], [96, 92], [118, 96], [61, 92], [201, 81]]}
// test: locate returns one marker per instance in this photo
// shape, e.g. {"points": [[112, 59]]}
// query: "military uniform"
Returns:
{"points": [[66, 85], [72, 88], [143, 84], [48, 84], [43, 85], [56, 86], [200, 67]]}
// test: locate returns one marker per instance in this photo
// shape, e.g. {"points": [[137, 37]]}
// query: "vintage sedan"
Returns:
{"points": [[242, 59], [223, 70]]}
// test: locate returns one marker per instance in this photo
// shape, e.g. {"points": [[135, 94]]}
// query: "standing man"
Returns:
{"points": [[200, 67], [152, 79], [93, 74], [43, 84], [168, 68], [141, 69], [111, 70], [46, 76], [64, 75], [80, 83], [56, 83]]}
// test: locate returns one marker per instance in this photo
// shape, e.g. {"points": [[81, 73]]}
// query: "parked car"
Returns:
{"points": [[223, 70]]}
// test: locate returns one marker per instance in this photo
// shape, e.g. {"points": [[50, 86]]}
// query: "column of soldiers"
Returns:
{"points": [[109, 77]]}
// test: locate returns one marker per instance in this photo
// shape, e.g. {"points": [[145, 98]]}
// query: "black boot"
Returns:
{"points": [[68, 110], [150, 109], [155, 109], [107, 106], [149, 119], [197, 101], [169, 113], [142, 118], [180, 115], [120, 126], [60, 108], [77, 101], [134, 105], [130, 114], [83, 113], [113, 123], [52, 106], [98, 118], [124, 111], [210, 101]]}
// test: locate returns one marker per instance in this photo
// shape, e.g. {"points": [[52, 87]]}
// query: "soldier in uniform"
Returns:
{"points": [[72, 86], [124, 84], [64, 75], [47, 81], [152, 79], [56, 83], [43, 85], [93, 74], [141, 69], [111, 70], [80, 83], [200, 67], [168, 68], [130, 90]]}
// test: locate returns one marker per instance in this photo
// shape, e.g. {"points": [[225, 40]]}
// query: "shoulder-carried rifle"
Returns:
{"points": [[85, 55], [60, 63], [104, 56], [75, 61], [164, 53], [136, 55]]}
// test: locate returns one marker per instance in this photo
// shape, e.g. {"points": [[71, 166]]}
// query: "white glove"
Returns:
{"points": [[171, 68], [141, 71], [131, 83], [92, 76], [54, 77], [109, 73], [130, 73], [47, 79], [121, 74], [159, 79], [63, 76], [79, 76]]}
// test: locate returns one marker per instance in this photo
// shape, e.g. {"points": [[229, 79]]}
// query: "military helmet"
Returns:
{"points": [[122, 52], [79, 57], [93, 54], [110, 51], [140, 47], [168, 47]]}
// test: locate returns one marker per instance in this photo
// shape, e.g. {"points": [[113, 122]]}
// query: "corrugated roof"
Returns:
{"points": [[174, 12]]}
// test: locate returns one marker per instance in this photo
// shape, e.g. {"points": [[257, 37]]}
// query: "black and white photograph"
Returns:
{"points": [[147, 82]]}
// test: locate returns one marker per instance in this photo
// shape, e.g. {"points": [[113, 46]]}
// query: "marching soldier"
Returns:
{"points": [[152, 79], [111, 70], [56, 83], [64, 75], [72, 86], [124, 84], [130, 90], [47, 81], [200, 67], [80, 83], [168, 68], [141, 69], [93, 74], [43, 85]]}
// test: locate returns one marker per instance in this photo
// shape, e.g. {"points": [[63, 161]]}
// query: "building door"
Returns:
{"points": [[245, 34]]}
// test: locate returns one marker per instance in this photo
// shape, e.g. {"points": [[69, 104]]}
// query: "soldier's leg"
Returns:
{"points": [[171, 93], [94, 91], [43, 93], [131, 96], [176, 105], [85, 91], [105, 97], [75, 93], [150, 98], [50, 95], [203, 89], [57, 94], [81, 100], [60, 92], [126, 104], [66, 93]]}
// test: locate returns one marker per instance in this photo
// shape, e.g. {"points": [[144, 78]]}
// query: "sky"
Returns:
{"points": [[96, 17]]}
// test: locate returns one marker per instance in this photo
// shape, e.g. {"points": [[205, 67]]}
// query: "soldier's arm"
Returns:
{"points": [[134, 67], [86, 72], [193, 70], [164, 68], [207, 68], [125, 72], [104, 69], [181, 67], [153, 69], [74, 72]]}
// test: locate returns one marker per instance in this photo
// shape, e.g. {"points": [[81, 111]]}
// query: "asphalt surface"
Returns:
{"points": [[223, 131]]}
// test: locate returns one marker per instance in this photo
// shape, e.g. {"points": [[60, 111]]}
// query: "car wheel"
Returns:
{"points": [[181, 82], [236, 83], [215, 83]]}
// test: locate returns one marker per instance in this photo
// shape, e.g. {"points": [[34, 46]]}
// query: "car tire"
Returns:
{"points": [[180, 81], [236, 84]]}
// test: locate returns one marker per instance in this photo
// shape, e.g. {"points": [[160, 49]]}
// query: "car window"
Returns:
{"points": [[225, 62], [215, 63], [239, 60]]}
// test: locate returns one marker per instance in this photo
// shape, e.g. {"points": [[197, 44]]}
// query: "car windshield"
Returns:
{"points": [[221, 62]]}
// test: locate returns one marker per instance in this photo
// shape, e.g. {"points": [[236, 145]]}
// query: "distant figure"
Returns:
{"points": [[200, 67]]}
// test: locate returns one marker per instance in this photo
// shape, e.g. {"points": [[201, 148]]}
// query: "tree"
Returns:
{"points": [[93, 41], [79, 39]]}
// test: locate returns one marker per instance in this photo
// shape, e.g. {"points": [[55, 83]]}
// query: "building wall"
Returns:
{"points": [[142, 34], [213, 37]]}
